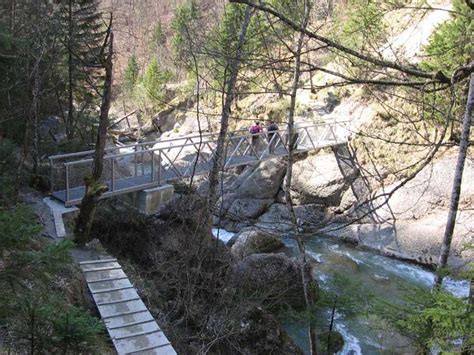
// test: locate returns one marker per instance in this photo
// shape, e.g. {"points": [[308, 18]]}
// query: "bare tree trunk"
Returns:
{"points": [[306, 274], [456, 189], [35, 105], [230, 93], [94, 189], [70, 113]]}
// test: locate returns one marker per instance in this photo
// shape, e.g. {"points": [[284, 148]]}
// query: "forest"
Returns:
{"points": [[272, 176]]}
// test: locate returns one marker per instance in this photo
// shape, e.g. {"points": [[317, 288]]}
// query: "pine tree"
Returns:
{"points": [[185, 30], [154, 80], [82, 37], [452, 45], [130, 75], [158, 37]]}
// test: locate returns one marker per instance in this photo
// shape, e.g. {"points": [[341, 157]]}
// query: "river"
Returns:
{"points": [[384, 277]]}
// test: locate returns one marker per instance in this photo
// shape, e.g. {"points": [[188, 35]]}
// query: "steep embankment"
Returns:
{"points": [[205, 301], [330, 188]]}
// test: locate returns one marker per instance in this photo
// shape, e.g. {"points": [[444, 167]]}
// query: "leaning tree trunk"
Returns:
{"points": [[309, 286], [230, 94], [457, 182], [94, 189]]}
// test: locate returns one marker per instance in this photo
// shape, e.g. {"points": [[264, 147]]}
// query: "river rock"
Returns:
{"points": [[254, 242], [418, 241], [274, 276], [336, 342], [341, 262], [413, 225], [318, 179], [191, 124], [52, 129], [245, 209], [277, 218], [225, 201], [429, 191], [263, 182], [348, 200]]}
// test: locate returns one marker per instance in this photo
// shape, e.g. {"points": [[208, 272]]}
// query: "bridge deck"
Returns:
{"points": [[141, 182], [154, 163], [130, 325]]}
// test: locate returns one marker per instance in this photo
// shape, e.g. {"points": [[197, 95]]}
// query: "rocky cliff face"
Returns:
{"points": [[413, 220]]}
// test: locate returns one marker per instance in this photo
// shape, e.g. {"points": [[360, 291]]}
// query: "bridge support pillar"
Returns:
{"points": [[149, 201]]}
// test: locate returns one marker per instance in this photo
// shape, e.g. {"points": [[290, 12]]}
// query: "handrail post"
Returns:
{"points": [[51, 183], [67, 183], [332, 132], [112, 180], [310, 138], [143, 160], [159, 167], [152, 166], [135, 160]]}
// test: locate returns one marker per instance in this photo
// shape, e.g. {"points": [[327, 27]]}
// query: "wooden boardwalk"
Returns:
{"points": [[131, 326]]}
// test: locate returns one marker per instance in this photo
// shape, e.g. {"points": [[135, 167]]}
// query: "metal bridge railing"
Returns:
{"points": [[149, 164]]}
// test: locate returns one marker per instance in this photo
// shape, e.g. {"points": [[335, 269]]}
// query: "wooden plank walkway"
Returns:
{"points": [[131, 326]]}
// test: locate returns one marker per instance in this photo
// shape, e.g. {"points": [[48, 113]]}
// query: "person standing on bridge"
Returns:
{"points": [[272, 128], [254, 130]]}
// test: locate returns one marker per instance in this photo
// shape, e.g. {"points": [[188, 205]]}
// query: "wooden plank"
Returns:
{"points": [[134, 330], [111, 285], [141, 343], [111, 265], [99, 261], [98, 276], [128, 319], [115, 296], [161, 350]]}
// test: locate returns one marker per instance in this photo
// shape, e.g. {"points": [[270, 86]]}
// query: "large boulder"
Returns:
{"points": [[274, 276], [245, 209], [429, 191], [263, 182], [278, 218], [52, 129], [166, 119], [411, 226], [191, 124], [254, 241], [335, 340], [318, 179], [225, 201]]}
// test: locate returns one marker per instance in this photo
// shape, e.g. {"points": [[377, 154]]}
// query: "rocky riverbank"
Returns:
{"points": [[329, 192]]}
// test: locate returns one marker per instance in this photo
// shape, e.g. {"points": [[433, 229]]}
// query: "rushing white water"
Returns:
{"points": [[385, 276], [222, 234], [351, 343]]}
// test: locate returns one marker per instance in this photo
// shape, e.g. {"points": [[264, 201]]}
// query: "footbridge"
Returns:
{"points": [[141, 166]]}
